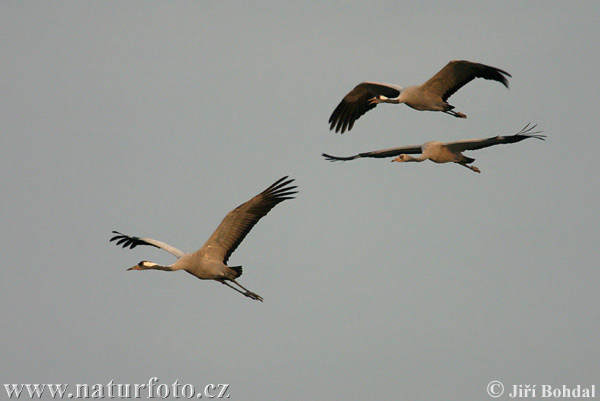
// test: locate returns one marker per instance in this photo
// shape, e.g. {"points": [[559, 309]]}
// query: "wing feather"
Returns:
{"points": [[380, 154], [128, 241], [458, 73], [474, 144], [238, 223], [356, 103]]}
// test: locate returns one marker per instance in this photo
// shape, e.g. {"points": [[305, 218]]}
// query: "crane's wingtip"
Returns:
{"points": [[330, 158], [114, 238], [281, 183]]}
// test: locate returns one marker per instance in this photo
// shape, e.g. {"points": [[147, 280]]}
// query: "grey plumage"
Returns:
{"points": [[210, 261], [431, 96], [440, 152]]}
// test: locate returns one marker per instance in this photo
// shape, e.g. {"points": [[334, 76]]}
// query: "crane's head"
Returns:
{"points": [[402, 158], [143, 265]]}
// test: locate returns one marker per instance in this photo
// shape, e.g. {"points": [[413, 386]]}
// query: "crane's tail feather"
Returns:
{"points": [[237, 270]]}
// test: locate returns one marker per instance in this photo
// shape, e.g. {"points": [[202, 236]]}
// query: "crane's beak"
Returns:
{"points": [[395, 160], [136, 267]]}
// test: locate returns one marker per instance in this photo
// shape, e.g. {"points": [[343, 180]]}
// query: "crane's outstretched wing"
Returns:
{"points": [[474, 144], [356, 103], [131, 242], [238, 223], [377, 153], [458, 73]]}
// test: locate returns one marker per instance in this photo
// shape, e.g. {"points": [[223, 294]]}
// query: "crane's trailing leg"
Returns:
{"points": [[246, 293], [249, 293], [455, 114], [475, 169]]}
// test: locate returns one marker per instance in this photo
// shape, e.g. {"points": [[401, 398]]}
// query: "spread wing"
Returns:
{"points": [[457, 74], [238, 223], [356, 103], [474, 144], [131, 242], [377, 153]]}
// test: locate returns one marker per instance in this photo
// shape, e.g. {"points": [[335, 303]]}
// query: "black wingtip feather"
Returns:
{"points": [[331, 158], [281, 190], [127, 241], [496, 74], [123, 240], [528, 132]]}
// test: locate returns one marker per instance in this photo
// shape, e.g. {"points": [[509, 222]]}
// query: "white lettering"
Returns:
{"points": [[207, 393], [110, 386], [164, 389], [57, 389], [136, 390], [151, 383], [546, 391], [187, 390], [223, 390], [123, 394], [36, 389], [176, 388], [97, 391], [14, 389], [83, 391]]}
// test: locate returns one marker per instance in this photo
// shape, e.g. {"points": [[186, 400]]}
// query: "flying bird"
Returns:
{"points": [[432, 95], [440, 152], [210, 261]]}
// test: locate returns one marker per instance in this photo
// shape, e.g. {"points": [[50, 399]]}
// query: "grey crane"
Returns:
{"points": [[432, 95], [440, 152], [210, 261]]}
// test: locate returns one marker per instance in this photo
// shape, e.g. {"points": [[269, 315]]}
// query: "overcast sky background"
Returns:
{"points": [[381, 281]]}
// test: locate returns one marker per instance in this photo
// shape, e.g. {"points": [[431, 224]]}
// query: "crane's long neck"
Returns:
{"points": [[394, 100], [408, 158], [145, 265], [408, 95]]}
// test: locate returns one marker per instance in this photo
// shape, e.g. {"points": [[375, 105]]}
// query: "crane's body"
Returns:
{"points": [[443, 152], [430, 96], [210, 261]]}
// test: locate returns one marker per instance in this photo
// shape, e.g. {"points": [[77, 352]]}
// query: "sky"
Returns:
{"points": [[381, 281]]}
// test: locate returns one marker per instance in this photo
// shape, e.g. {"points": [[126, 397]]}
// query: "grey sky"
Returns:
{"points": [[381, 281]]}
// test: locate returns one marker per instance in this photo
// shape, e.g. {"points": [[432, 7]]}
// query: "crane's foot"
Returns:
{"points": [[254, 296], [454, 113], [475, 169]]}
